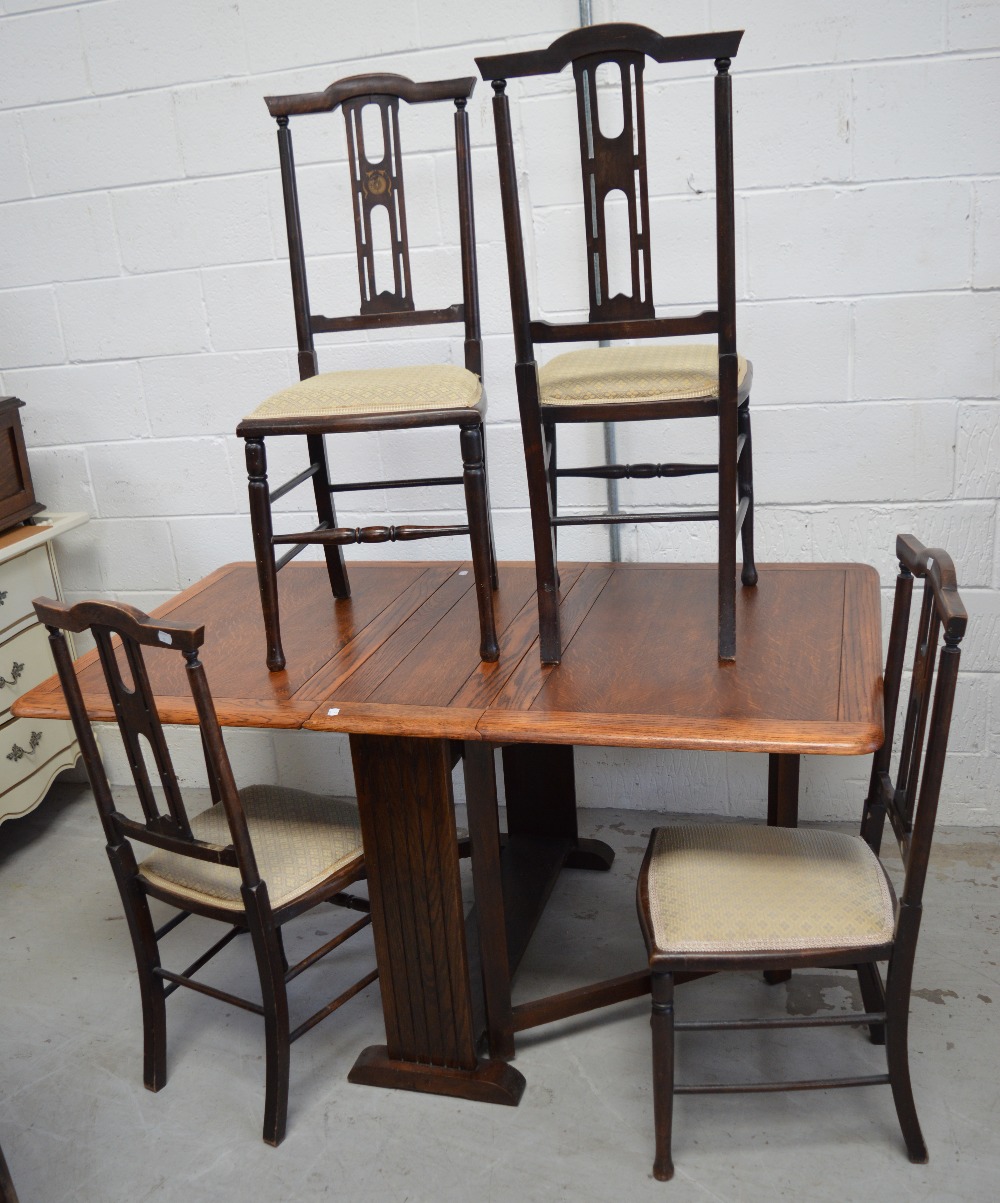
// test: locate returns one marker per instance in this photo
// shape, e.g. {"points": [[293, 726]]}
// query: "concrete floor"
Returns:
{"points": [[76, 1123]]}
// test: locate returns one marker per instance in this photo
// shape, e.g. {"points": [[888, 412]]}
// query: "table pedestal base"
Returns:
{"points": [[590, 854], [489, 1082]]}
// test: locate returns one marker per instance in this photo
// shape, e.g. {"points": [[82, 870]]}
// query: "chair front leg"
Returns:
{"points": [[745, 489], [662, 1024], [477, 508], [263, 549]]}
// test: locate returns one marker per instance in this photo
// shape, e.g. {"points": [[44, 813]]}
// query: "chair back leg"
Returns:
{"points": [[662, 1024], [263, 550], [549, 443], [477, 506], [269, 953], [897, 1017], [744, 479], [727, 531], [147, 959], [327, 514], [494, 573], [540, 500], [873, 997]]}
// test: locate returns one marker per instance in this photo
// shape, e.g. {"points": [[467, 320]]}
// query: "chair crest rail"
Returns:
{"points": [[621, 37], [355, 86]]}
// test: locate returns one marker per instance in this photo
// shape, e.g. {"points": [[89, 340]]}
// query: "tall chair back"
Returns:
{"points": [[909, 798], [377, 185], [121, 633]]}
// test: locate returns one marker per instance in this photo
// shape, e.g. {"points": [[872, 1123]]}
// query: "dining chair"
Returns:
{"points": [[626, 383], [735, 896], [373, 398], [254, 859]]}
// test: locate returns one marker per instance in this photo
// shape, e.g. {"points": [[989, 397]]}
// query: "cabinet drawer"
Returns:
{"points": [[25, 661], [21, 580], [29, 791], [27, 745]]}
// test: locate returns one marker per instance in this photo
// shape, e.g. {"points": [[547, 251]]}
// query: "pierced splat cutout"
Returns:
{"points": [[378, 185], [615, 165], [139, 724]]}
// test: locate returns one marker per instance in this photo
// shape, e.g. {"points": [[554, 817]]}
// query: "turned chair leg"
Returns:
{"points": [[745, 489], [662, 1024], [263, 548], [477, 507], [327, 514]]}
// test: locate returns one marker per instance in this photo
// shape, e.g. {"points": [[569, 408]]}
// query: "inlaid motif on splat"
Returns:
{"points": [[615, 165], [378, 183]]}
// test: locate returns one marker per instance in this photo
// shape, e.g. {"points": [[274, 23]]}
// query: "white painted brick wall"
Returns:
{"points": [[144, 299]]}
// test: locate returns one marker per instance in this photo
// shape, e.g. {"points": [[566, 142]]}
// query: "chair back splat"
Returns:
{"points": [[373, 397], [741, 896], [627, 383], [377, 183], [254, 859]]}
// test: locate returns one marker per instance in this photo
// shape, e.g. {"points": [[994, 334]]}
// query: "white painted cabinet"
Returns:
{"points": [[32, 751]]}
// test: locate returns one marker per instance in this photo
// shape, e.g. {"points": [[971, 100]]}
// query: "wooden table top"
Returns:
{"points": [[639, 665]]}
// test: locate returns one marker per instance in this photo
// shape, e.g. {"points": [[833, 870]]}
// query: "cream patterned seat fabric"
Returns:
{"points": [[716, 888], [375, 391], [299, 840], [606, 375]]}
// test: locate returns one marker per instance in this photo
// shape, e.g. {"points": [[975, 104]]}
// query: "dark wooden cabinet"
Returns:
{"points": [[17, 495]]}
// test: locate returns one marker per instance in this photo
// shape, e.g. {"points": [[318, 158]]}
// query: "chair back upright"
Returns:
{"points": [[377, 183], [910, 798], [121, 632], [619, 165]]}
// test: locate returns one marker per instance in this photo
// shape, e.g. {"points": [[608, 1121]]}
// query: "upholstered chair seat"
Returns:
{"points": [[299, 841], [622, 374], [750, 888], [374, 391]]}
